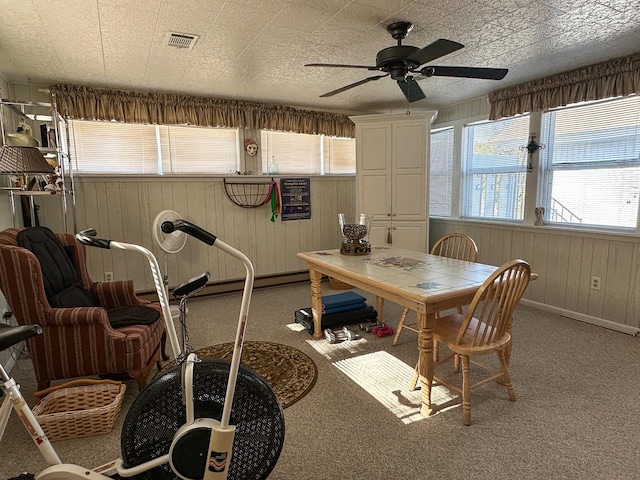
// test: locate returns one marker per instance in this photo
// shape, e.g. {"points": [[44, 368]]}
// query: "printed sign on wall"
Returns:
{"points": [[296, 198]]}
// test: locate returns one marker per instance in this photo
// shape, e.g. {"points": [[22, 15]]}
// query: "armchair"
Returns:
{"points": [[77, 341]]}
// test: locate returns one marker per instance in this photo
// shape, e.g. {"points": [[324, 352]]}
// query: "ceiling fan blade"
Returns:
{"points": [[347, 87], [434, 50], [464, 72], [411, 89], [338, 65]]}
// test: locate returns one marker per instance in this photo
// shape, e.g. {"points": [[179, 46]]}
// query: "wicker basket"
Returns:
{"points": [[336, 284], [79, 408]]}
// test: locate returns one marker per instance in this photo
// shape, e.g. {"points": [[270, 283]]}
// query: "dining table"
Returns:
{"points": [[424, 283]]}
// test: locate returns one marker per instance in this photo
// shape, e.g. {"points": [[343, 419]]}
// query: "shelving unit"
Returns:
{"points": [[51, 131]]}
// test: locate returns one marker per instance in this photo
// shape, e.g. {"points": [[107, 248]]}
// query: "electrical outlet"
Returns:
{"points": [[595, 283], [108, 276]]}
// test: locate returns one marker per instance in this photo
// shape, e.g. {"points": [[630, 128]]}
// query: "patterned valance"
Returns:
{"points": [[618, 77], [87, 103]]}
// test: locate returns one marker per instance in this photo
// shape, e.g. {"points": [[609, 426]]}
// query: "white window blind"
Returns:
{"points": [[113, 148], [292, 152], [339, 155], [495, 169], [441, 172], [297, 153], [590, 168], [200, 150], [127, 148]]}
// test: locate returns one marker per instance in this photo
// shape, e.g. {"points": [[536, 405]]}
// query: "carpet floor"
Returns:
{"points": [[577, 414]]}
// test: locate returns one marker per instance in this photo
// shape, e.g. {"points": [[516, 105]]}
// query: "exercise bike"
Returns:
{"points": [[205, 419]]}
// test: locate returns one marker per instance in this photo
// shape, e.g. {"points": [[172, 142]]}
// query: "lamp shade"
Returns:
{"points": [[15, 160]]}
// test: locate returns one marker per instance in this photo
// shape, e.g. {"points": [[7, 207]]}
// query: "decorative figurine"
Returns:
{"points": [[251, 147]]}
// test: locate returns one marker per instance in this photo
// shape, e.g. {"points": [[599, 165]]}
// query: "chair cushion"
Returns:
{"points": [[61, 284], [132, 315]]}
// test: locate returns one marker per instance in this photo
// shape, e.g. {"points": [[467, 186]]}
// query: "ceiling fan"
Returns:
{"points": [[404, 62]]}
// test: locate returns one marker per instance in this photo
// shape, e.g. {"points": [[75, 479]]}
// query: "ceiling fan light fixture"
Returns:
{"points": [[400, 61]]}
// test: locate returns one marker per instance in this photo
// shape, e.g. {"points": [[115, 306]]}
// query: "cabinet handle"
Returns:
{"points": [[388, 214], [394, 215]]}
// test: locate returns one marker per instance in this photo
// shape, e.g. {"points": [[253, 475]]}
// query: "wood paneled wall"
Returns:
{"points": [[124, 209], [565, 262]]}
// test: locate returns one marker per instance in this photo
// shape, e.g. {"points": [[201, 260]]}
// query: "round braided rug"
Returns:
{"points": [[288, 371]]}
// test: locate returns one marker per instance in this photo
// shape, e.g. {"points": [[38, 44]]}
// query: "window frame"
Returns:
{"points": [[468, 172], [547, 169]]}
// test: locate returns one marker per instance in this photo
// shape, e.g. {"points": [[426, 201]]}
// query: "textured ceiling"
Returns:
{"points": [[256, 49]]}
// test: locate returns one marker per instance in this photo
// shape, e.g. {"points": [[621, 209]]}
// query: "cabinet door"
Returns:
{"points": [[373, 164], [379, 234], [409, 170], [409, 235]]}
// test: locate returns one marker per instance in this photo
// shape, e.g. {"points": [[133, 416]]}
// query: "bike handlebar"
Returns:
{"points": [[88, 237], [190, 229]]}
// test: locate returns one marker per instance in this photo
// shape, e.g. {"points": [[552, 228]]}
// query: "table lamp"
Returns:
{"points": [[23, 161]]}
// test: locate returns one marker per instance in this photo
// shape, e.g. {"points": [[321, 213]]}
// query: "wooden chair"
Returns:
{"points": [[484, 329], [453, 245]]}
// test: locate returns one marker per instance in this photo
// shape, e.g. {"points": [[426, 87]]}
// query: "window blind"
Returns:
{"points": [[130, 148], [297, 153], [116, 148], [441, 172], [339, 155], [200, 150], [292, 152], [590, 168]]}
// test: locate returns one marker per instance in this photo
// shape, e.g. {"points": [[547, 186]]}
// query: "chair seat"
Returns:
{"points": [[447, 329]]}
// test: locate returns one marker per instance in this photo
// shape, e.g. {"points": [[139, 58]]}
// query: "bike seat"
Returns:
{"points": [[191, 286], [10, 335]]}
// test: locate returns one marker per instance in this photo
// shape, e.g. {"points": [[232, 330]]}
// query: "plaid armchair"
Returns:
{"points": [[78, 341]]}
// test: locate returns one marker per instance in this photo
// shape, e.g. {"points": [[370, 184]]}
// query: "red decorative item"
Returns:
{"points": [[382, 331]]}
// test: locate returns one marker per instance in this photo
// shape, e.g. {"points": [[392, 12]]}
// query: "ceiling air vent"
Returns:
{"points": [[181, 40]]}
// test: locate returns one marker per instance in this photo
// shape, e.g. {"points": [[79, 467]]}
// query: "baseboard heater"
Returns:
{"points": [[216, 288]]}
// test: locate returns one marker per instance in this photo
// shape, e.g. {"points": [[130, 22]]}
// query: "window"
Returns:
{"points": [[590, 168], [127, 148], [441, 172], [297, 153], [199, 150], [495, 169]]}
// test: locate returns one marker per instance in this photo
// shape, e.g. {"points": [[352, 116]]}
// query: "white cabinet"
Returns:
{"points": [[392, 169]]}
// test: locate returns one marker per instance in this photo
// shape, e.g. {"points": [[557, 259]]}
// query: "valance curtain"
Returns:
{"points": [[87, 103], [618, 77]]}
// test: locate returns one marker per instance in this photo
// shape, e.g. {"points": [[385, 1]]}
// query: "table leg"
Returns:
{"points": [[426, 323], [380, 309], [316, 301]]}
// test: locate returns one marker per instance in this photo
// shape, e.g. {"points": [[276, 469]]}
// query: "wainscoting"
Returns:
{"points": [[565, 262], [124, 208]]}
